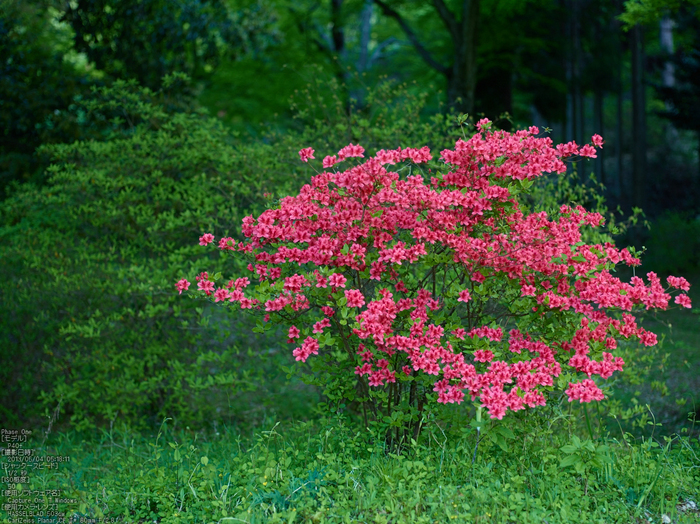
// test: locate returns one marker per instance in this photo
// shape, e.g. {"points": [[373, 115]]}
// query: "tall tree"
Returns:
{"points": [[619, 184], [147, 39], [461, 69], [37, 82], [639, 128], [681, 92]]}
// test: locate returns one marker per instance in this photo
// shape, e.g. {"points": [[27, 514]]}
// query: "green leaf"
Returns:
{"points": [[505, 431], [570, 461]]}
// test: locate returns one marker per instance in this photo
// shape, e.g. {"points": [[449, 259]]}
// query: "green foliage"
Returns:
{"points": [[328, 471], [91, 316], [386, 115], [94, 255], [35, 83], [147, 39], [650, 11]]}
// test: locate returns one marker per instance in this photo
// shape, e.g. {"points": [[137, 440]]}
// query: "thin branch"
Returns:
{"points": [[422, 51], [379, 50], [448, 18]]}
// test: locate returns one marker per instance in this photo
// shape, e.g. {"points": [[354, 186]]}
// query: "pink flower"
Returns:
{"points": [[351, 151], [241, 283], [221, 294], [597, 140], [464, 296], [293, 332], [306, 154], [206, 285], [226, 243], [354, 298], [483, 355], [206, 238], [678, 283], [337, 280], [318, 326], [308, 348], [527, 291], [647, 338], [330, 161], [683, 300], [459, 333], [182, 285], [585, 391], [588, 151]]}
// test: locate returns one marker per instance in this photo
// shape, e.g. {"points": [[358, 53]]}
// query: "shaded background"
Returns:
{"points": [[570, 65]]}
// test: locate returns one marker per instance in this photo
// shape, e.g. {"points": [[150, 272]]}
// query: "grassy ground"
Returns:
{"points": [[327, 471]]}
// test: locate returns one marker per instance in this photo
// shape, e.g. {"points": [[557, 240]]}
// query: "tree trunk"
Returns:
{"points": [[577, 66], [668, 77], [639, 147], [569, 126], [461, 72], [599, 129], [365, 33], [598, 124], [461, 79], [619, 130], [337, 34]]}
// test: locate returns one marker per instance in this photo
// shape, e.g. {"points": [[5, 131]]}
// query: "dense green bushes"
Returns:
{"points": [[90, 319]]}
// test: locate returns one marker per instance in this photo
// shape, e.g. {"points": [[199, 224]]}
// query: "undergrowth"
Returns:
{"points": [[535, 469]]}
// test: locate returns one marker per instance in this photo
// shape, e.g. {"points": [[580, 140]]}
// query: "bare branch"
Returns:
{"points": [[379, 50], [422, 51], [448, 18]]}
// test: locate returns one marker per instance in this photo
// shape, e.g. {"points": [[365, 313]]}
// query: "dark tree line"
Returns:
{"points": [[576, 66]]}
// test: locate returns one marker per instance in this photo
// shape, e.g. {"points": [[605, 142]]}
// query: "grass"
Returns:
{"points": [[533, 469]]}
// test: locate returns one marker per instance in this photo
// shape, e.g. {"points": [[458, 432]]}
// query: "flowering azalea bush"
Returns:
{"points": [[437, 286]]}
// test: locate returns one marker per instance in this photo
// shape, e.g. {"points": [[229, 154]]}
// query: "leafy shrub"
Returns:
{"points": [[90, 319], [508, 260], [90, 316]]}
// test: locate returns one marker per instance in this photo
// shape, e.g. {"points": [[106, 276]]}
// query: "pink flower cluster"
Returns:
{"points": [[348, 222]]}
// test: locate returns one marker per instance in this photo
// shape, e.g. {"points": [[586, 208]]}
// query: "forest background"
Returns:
{"points": [[130, 127]]}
